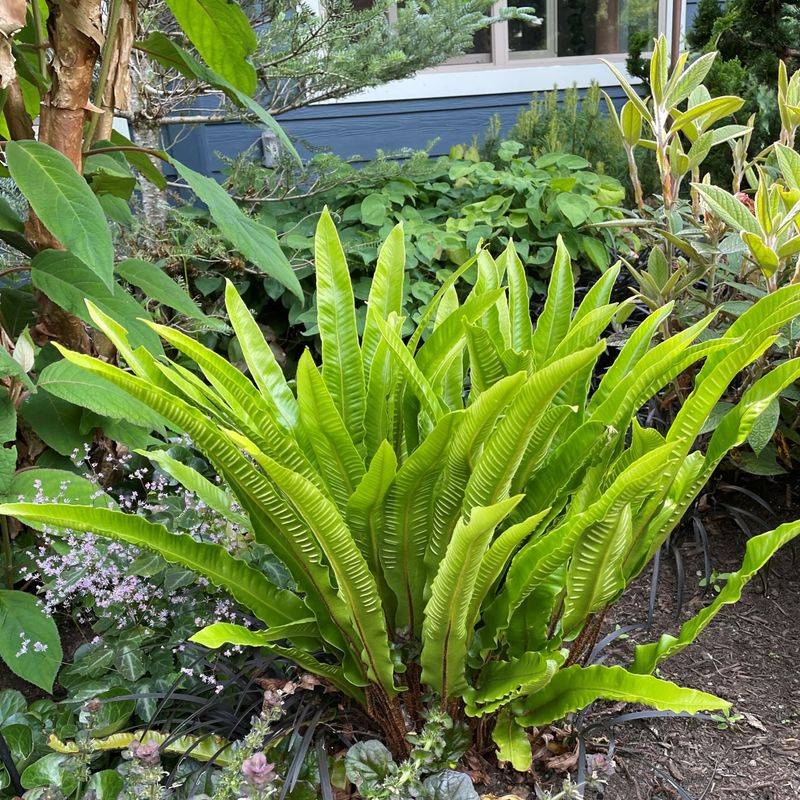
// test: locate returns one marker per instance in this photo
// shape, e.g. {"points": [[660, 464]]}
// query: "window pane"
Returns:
{"points": [[590, 27], [525, 38]]}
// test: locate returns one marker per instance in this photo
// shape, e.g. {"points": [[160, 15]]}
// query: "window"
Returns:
{"points": [[568, 28]]}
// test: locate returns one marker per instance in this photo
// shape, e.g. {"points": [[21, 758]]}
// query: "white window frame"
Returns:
{"points": [[505, 74]]}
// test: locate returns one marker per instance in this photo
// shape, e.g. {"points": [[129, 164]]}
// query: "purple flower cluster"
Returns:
{"points": [[94, 577]]}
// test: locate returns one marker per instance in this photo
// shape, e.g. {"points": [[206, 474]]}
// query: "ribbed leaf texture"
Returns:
{"points": [[478, 494]]}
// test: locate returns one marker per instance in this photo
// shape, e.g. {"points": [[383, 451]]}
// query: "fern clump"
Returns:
{"points": [[459, 510]]}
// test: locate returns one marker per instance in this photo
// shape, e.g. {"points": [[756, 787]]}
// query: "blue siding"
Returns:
{"points": [[354, 130], [691, 10]]}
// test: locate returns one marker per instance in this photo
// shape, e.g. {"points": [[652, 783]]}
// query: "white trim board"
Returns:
{"points": [[466, 82]]}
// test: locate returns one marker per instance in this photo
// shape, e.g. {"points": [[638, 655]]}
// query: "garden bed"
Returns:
{"points": [[748, 655]]}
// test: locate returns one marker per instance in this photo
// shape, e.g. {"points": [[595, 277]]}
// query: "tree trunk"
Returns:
{"points": [[155, 208], [74, 30]]}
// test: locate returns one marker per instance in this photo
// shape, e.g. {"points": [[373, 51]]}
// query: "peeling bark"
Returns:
{"points": [[74, 30], [116, 93]]}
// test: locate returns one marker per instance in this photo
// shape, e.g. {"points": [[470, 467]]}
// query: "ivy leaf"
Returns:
{"points": [[105, 785], [50, 772], [29, 641], [64, 203]]}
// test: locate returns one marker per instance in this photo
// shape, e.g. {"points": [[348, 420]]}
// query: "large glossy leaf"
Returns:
{"points": [[342, 367], [158, 286], [170, 54], [444, 629], [69, 283], [29, 640], [79, 387], [222, 34], [576, 687], [257, 243], [66, 205]]}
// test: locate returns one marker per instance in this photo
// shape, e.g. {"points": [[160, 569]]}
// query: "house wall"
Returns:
{"points": [[356, 129]]}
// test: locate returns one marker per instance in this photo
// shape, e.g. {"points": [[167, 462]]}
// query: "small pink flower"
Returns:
{"points": [[146, 752], [257, 771]]}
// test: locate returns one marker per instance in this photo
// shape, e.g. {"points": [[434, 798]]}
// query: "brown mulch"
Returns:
{"points": [[749, 655]]}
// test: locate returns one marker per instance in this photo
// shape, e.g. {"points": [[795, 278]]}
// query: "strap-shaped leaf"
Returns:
{"points": [[598, 295], [260, 360], [383, 378], [356, 585], [250, 409], [503, 681], [553, 324], [519, 304], [385, 292], [365, 507], [245, 584], [408, 521], [513, 744], [485, 364], [576, 687], [496, 558], [550, 426], [505, 448], [595, 576], [563, 468], [340, 464], [274, 523], [633, 350], [759, 550], [782, 304], [212, 495], [448, 339], [542, 557], [451, 383], [444, 629], [478, 422], [342, 367], [221, 633], [417, 382]]}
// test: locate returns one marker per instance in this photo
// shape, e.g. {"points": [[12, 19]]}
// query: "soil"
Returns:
{"points": [[748, 655]]}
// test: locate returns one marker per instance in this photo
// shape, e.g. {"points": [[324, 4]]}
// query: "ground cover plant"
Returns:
{"points": [[447, 205], [457, 516]]}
